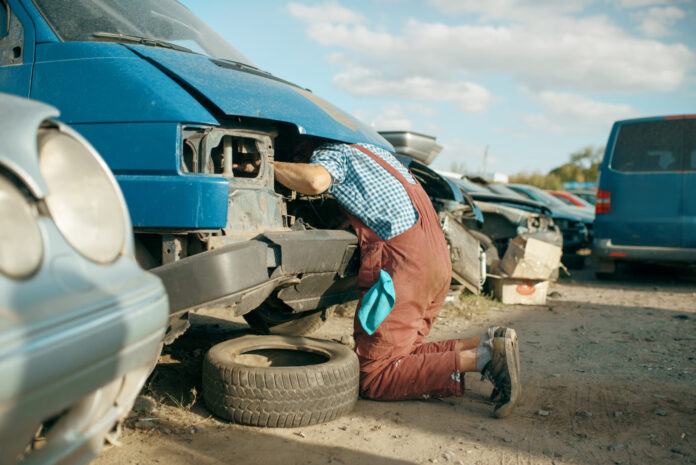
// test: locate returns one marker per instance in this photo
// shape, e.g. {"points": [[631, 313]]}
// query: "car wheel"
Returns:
{"points": [[280, 381], [607, 270], [270, 320]]}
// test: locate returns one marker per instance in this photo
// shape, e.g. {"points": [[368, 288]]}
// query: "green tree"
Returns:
{"points": [[582, 165]]}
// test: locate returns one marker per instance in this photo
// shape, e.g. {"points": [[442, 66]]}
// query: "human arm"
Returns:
{"points": [[302, 177]]}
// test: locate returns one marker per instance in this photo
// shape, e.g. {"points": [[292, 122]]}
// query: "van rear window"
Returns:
{"points": [[690, 143], [654, 146]]}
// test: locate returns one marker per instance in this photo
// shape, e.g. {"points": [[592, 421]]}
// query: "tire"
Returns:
{"points": [[311, 381], [269, 320], [606, 271]]}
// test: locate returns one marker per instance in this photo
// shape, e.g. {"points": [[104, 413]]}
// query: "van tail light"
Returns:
{"points": [[603, 204]]}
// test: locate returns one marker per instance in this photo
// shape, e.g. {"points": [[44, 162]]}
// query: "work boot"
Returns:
{"points": [[504, 371]]}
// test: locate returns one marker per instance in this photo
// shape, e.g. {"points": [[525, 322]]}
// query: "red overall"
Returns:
{"points": [[394, 362]]}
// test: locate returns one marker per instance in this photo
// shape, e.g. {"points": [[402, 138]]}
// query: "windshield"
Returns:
{"points": [[546, 198], [155, 20], [469, 186], [504, 190]]}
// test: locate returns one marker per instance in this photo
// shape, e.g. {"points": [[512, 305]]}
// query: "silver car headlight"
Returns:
{"points": [[83, 198], [21, 246]]}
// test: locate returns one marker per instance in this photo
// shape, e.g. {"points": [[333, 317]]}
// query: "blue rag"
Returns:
{"points": [[377, 303]]}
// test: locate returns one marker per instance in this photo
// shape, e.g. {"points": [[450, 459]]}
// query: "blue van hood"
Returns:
{"points": [[235, 90]]}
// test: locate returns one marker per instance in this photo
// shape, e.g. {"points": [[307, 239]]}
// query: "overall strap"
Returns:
{"points": [[393, 171]]}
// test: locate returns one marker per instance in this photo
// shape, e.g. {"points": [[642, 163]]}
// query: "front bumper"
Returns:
{"points": [[604, 249], [575, 237], [244, 274], [76, 358]]}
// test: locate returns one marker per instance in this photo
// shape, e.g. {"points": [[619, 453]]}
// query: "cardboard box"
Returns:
{"points": [[530, 259], [519, 291]]}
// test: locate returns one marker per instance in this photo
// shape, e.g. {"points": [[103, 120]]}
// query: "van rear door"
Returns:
{"points": [[646, 184], [689, 186]]}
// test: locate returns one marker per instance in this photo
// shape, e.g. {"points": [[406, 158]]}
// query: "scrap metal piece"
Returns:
{"points": [[465, 253]]}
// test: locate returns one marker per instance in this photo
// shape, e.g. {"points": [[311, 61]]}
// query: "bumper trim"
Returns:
{"points": [[605, 249], [239, 274]]}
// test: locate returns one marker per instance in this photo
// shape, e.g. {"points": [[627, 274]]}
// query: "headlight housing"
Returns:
{"points": [[21, 245], [83, 198]]}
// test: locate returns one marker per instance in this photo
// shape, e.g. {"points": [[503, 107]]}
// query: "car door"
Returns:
{"points": [[16, 49], [689, 186]]}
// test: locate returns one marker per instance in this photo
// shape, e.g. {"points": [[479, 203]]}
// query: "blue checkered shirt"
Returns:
{"points": [[366, 189]]}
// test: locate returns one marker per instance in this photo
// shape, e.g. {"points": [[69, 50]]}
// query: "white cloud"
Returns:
{"points": [[581, 108], [468, 96], [422, 110], [515, 9], [544, 124], [458, 152], [330, 12], [390, 117], [515, 132], [642, 3], [565, 113], [588, 54], [657, 22]]}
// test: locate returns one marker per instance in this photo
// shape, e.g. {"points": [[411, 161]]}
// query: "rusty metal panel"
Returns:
{"points": [[464, 253]]}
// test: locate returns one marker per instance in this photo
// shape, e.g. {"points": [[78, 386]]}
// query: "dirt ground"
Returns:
{"points": [[609, 377]]}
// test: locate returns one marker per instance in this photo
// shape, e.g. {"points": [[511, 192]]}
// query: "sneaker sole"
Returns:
{"points": [[512, 359]]}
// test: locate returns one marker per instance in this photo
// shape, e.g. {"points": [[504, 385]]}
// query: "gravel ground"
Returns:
{"points": [[609, 371]]}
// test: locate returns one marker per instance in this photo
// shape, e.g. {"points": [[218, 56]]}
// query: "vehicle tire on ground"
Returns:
{"points": [[606, 270], [269, 320], [280, 381]]}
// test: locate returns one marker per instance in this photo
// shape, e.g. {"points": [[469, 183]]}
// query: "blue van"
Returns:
{"points": [[646, 201], [174, 109]]}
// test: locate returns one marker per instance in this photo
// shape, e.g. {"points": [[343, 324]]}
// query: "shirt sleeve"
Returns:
{"points": [[333, 160]]}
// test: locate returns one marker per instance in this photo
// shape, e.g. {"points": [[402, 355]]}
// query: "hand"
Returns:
{"points": [[249, 166]]}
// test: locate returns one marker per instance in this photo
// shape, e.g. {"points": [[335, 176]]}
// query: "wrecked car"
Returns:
{"points": [[573, 231], [577, 229], [507, 217], [173, 109], [468, 256], [81, 323]]}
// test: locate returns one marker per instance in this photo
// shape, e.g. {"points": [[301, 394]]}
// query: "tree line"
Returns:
{"points": [[582, 165]]}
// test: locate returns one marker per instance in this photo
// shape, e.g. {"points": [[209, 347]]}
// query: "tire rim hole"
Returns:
{"points": [[279, 358]]}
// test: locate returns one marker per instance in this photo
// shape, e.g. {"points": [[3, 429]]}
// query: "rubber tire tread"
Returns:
{"points": [[280, 396]]}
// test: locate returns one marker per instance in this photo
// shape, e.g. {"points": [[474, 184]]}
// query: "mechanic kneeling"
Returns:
{"points": [[404, 276]]}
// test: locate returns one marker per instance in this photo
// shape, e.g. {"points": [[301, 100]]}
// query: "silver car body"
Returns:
{"points": [[77, 338]]}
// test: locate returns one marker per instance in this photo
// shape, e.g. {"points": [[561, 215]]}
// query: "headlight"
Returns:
{"points": [[21, 248], [82, 199]]}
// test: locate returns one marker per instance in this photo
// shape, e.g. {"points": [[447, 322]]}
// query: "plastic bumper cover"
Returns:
{"points": [[84, 373], [604, 249]]}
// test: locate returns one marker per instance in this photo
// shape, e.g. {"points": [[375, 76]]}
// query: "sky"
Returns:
{"points": [[531, 81]]}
